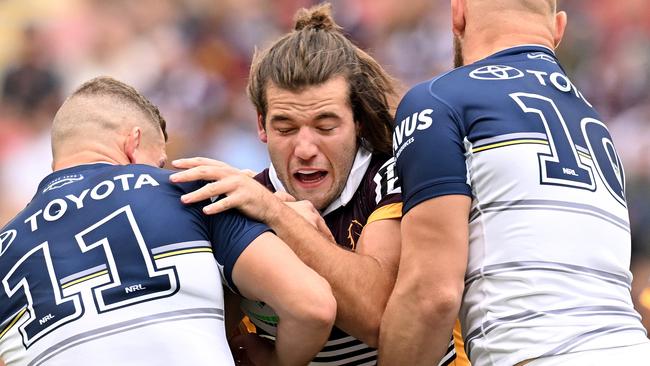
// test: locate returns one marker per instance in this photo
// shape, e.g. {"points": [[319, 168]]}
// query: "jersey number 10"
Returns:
{"points": [[563, 166]]}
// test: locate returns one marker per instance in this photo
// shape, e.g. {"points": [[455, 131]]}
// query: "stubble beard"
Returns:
{"points": [[458, 52]]}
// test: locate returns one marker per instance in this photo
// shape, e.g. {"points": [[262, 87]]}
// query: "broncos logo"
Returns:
{"points": [[354, 232]]}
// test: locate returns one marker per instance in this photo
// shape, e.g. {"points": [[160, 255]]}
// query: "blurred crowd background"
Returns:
{"points": [[191, 58]]}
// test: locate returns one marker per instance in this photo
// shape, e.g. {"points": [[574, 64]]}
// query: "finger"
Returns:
{"points": [[187, 163], [284, 197], [248, 172], [208, 191], [223, 204], [203, 172]]}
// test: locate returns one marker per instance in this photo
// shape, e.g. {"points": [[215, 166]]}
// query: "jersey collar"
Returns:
{"points": [[359, 168]]}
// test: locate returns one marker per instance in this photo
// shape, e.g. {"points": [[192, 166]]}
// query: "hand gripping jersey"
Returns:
{"points": [[106, 267], [371, 193], [549, 245]]}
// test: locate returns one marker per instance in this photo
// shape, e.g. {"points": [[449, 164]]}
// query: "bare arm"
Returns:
{"points": [[269, 271], [361, 281], [422, 309]]}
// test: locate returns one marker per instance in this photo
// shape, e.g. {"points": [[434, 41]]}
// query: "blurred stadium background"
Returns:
{"points": [[191, 58]]}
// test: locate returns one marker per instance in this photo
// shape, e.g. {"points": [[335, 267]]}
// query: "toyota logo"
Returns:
{"points": [[6, 239], [496, 72]]}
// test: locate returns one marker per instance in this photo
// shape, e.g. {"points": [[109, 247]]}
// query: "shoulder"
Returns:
{"points": [[264, 179]]}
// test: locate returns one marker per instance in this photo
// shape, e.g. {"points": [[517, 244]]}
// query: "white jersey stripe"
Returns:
{"points": [[340, 340], [549, 205], [342, 350], [578, 340], [487, 327], [345, 361], [184, 245], [494, 269], [98, 333], [81, 274]]}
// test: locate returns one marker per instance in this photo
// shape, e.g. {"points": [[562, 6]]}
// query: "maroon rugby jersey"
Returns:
{"points": [[377, 196], [371, 193]]}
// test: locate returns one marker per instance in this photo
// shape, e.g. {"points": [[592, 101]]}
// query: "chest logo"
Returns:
{"points": [[354, 232], [496, 72]]}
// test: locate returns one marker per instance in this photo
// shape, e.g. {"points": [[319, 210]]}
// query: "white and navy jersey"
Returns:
{"points": [[549, 245], [105, 266]]}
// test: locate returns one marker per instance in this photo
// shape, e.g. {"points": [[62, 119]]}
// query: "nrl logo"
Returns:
{"points": [[541, 56]]}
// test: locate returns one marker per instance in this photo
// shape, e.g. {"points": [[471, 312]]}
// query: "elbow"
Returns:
{"points": [[318, 307], [438, 307]]}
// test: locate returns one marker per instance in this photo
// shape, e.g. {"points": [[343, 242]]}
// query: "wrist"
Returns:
{"points": [[274, 212]]}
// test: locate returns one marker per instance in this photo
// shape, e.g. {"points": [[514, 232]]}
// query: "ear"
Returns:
{"points": [[261, 130], [560, 26], [132, 143], [458, 17]]}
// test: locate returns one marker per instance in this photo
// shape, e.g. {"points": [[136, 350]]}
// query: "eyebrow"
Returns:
{"points": [[279, 118], [320, 116], [326, 115]]}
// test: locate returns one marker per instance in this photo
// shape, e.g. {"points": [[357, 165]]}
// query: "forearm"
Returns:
{"points": [[416, 332], [360, 283], [297, 341], [419, 318]]}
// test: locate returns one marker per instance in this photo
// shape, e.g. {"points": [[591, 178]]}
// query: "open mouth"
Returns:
{"points": [[307, 176]]}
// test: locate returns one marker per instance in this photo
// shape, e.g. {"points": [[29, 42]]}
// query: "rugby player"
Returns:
{"points": [[514, 201], [105, 266], [324, 111]]}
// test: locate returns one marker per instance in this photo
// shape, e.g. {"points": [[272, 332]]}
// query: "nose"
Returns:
{"points": [[306, 144]]}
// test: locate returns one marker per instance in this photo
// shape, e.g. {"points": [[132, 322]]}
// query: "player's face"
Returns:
{"points": [[312, 139]]}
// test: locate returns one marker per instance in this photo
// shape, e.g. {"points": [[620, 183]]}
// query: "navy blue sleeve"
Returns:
{"points": [[428, 147], [231, 233]]}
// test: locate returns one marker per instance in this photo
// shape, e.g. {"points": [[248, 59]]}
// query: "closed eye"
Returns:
{"points": [[285, 131]]}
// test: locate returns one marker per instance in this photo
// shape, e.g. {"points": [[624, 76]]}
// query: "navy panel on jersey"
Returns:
{"points": [[104, 220], [520, 94]]}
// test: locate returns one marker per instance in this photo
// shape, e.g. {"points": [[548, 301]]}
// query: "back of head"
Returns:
{"points": [[482, 27], [313, 53], [497, 14], [97, 112]]}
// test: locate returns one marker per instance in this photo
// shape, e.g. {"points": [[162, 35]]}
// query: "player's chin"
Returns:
{"points": [[318, 198]]}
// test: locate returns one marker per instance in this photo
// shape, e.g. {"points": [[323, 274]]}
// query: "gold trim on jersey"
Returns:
{"points": [[13, 322], [84, 278], [644, 298], [183, 251], [459, 345], [391, 211], [509, 143]]}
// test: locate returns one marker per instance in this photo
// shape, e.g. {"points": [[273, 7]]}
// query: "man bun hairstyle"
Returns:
{"points": [[318, 18], [315, 51]]}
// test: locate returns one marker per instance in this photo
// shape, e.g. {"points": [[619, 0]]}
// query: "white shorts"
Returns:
{"points": [[631, 355]]}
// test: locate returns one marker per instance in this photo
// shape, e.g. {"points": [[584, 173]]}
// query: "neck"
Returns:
{"points": [[480, 42], [86, 157]]}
